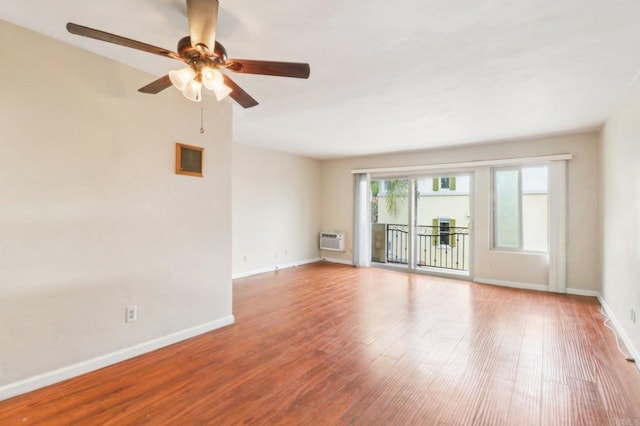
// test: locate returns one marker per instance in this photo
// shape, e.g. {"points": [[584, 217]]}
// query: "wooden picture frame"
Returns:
{"points": [[189, 160]]}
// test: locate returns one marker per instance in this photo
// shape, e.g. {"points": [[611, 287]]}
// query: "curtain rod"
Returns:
{"points": [[467, 164]]}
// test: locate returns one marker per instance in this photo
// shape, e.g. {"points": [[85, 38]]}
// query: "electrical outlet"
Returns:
{"points": [[244, 259], [633, 316], [131, 313]]}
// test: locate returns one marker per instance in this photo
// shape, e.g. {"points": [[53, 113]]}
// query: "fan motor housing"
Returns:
{"points": [[187, 51]]}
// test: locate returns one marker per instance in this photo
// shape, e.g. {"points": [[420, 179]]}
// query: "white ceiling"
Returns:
{"points": [[389, 76]]}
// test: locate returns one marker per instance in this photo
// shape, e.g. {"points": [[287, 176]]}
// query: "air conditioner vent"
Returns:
{"points": [[332, 241]]}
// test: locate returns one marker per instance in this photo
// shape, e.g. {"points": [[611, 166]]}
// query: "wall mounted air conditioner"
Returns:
{"points": [[332, 241]]}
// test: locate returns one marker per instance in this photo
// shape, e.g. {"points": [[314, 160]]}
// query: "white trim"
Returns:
{"points": [[557, 230], [444, 273], [275, 268], [65, 373], [633, 351], [336, 260], [512, 284], [412, 241], [472, 219], [581, 292], [253, 272], [466, 164]]}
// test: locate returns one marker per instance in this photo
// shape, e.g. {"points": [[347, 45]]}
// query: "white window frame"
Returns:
{"points": [[557, 204], [494, 218]]}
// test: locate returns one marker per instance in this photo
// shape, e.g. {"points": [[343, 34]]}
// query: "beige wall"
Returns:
{"points": [[93, 218], [620, 187], [276, 209], [582, 257]]}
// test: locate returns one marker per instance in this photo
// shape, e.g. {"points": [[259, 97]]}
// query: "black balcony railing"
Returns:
{"points": [[436, 246]]}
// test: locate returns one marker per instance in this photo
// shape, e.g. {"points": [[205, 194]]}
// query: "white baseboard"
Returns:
{"points": [[275, 268], [65, 373], [581, 292], [336, 260], [537, 287], [633, 351], [512, 284]]}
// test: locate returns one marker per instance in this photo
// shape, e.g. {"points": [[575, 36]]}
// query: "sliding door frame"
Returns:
{"points": [[412, 203]]}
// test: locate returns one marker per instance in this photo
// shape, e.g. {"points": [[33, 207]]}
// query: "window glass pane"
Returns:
{"points": [[507, 212], [534, 179], [445, 227], [534, 208]]}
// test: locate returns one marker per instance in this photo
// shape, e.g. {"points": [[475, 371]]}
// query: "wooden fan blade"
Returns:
{"points": [[203, 20], [122, 41], [279, 69], [156, 86], [239, 95]]}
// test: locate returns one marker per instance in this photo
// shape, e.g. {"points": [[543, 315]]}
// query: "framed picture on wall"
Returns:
{"points": [[189, 160]]}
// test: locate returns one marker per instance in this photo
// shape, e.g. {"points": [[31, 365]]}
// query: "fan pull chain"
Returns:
{"points": [[201, 120]]}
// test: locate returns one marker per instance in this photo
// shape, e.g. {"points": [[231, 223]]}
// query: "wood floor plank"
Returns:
{"points": [[556, 404], [525, 402], [331, 344]]}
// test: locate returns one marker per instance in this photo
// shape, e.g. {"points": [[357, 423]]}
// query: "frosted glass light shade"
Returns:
{"points": [[193, 91], [212, 79], [181, 78], [222, 92]]}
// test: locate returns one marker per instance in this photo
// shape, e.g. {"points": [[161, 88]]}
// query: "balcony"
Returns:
{"points": [[436, 247]]}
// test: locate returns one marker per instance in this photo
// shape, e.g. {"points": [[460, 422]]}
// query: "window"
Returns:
{"points": [[447, 182], [520, 208], [444, 232]]}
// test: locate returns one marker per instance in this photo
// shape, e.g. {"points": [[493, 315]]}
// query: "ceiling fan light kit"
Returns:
{"points": [[180, 78], [193, 91], [190, 82], [214, 81], [222, 92], [204, 63]]}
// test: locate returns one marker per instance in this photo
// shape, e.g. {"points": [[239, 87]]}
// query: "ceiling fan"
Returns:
{"points": [[204, 57]]}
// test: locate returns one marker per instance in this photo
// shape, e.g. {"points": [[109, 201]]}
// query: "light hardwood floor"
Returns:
{"points": [[332, 344]]}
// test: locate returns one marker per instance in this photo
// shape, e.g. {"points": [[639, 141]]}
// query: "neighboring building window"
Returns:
{"points": [[448, 182], [444, 231], [520, 208]]}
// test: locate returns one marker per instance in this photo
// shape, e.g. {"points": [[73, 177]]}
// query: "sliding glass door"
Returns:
{"points": [[390, 222], [443, 217], [422, 224]]}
